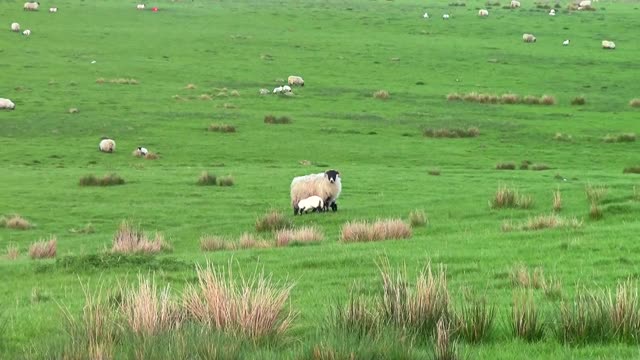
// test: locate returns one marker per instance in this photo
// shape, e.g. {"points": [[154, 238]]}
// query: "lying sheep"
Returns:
{"points": [[312, 203], [483, 12], [326, 185], [31, 6], [107, 145], [610, 45], [26, 32], [15, 27], [53, 10], [515, 4], [445, 16], [295, 80], [528, 38], [7, 104]]}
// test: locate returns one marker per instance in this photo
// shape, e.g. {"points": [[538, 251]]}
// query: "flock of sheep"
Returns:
{"points": [[30, 6], [293, 80]]}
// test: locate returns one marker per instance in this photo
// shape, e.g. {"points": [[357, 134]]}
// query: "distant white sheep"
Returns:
{"points": [[552, 12], [584, 3], [295, 80], [264, 91], [528, 38], [610, 45], [515, 4], [26, 32], [140, 151], [312, 203], [565, 43], [107, 145], [278, 90], [286, 88], [483, 12], [140, 6], [15, 27], [445, 16], [7, 104], [31, 6], [426, 15], [53, 10]]}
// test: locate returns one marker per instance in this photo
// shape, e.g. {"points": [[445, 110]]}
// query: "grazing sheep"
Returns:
{"points": [[264, 91], [140, 6], [606, 44], [426, 15], [286, 88], [15, 27], [528, 38], [278, 90], [483, 12], [326, 185], [515, 4], [107, 145], [584, 4], [552, 12], [7, 104], [31, 6], [312, 203], [141, 151], [26, 32], [445, 16], [565, 43], [295, 80], [53, 10]]}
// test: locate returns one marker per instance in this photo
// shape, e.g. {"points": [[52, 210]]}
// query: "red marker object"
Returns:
{"points": [[154, 9]]}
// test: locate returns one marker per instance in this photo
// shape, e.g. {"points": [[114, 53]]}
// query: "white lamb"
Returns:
{"points": [[515, 4], [483, 12], [15, 27], [31, 6], [313, 203], [53, 10], [278, 90], [565, 43], [140, 6], [552, 12], [26, 32], [426, 15], [445, 16], [7, 104], [286, 89]]}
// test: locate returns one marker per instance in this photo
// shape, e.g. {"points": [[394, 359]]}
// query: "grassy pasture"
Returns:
{"points": [[346, 51]]}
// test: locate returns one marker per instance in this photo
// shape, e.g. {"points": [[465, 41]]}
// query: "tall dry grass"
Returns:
{"points": [[13, 252], [418, 218], [445, 347], [272, 221], [44, 249], [526, 319], [475, 318], [557, 200], [148, 311], [254, 307], [507, 197], [130, 239], [384, 229], [303, 235], [15, 222]]}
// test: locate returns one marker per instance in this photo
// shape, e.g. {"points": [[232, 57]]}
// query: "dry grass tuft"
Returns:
{"points": [[506, 166], [205, 97], [551, 221], [474, 321], [250, 241], [235, 93], [595, 193], [73, 111], [434, 172], [454, 97], [148, 312], [190, 86], [561, 137], [15, 221], [272, 221], [547, 100], [13, 252], [519, 276], [634, 102], [224, 128], [151, 156], [361, 231], [226, 181], [526, 321], [254, 308], [629, 137], [44, 249], [130, 239], [595, 211], [381, 94], [100, 81], [510, 98], [506, 197], [207, 179], [539, 167], [304, 235], [445, 347], [531, 100], [579, 100], [451, 133], [631, 170], [228, 106], [214, 243], [418, 218], [107, 180], [271, 119], [557, 200], [87, 229], [124, 81]]}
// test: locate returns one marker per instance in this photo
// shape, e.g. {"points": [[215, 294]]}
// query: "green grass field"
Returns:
{"points": [[346, 51]]}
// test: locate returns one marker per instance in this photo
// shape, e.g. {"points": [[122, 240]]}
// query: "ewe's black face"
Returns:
{"points": [[332, 175]]}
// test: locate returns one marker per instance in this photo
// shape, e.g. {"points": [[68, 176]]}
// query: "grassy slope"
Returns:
{"points": [[344, 55]]}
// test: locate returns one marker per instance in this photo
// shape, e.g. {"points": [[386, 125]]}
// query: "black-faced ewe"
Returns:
{"points": [[326, 185], [107, 145], [31, 6], [295, 80], [7, 104], [312, 203]]}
